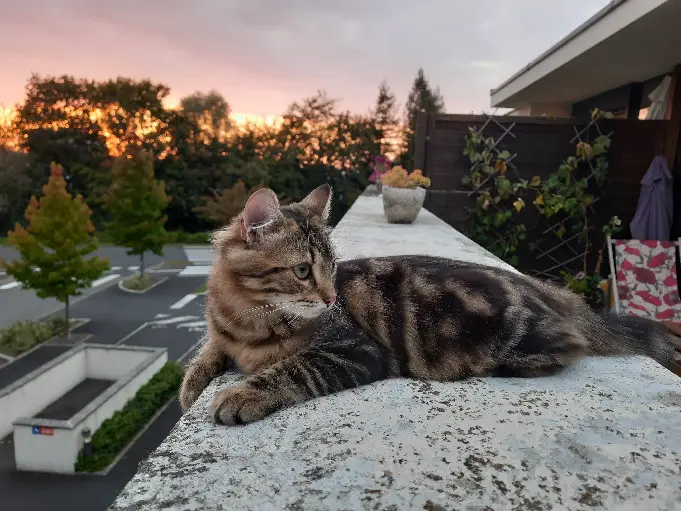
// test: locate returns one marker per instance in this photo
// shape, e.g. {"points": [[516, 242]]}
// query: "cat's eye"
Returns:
{"points": [[302, 270]]}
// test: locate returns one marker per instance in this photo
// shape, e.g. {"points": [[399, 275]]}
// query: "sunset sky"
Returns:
{"points": [[263, 54]]}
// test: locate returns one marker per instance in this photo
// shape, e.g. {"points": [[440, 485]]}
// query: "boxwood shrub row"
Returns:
{"points": [[116, 432]]}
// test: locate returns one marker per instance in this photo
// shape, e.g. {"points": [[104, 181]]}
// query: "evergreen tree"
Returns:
{"points": [[136, 204], [54, 245], [385, 116], [421, 98]]}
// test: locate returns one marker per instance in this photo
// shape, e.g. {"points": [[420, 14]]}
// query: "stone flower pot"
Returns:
{"points": [[402, 205], [379, 186]]}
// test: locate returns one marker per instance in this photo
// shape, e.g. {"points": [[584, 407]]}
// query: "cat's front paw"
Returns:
{"points": [[193, 385], [240, 404]]}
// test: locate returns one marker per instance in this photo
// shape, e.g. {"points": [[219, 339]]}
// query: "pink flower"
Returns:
{"points": [[665, 314], [632, 251], [644, 276], [649, 298], [627, 266], [672, 298], [638, 307], [657, 260], [670, 281]]}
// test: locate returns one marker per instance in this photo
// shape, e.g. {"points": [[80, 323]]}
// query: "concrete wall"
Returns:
{"points": [[32, 396], [111, 364], [551, 109], [603, 434], [57, 451]]}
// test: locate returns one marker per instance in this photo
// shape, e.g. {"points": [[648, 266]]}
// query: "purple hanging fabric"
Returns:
{"points": [[653, 218]]}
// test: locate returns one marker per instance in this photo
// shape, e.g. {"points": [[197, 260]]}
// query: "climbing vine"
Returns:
{"points": [[565, 199], [499, 197]]}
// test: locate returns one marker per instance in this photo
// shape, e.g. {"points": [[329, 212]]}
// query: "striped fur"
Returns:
{"points": [[414, 316]]}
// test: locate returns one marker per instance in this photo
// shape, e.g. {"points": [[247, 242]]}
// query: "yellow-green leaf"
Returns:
{"points": [[539, 201], [536, 181], [519, 204]]}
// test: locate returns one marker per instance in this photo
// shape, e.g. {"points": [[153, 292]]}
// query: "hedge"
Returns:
{"points": [[24, 335], [117, 432], [190, 238]]}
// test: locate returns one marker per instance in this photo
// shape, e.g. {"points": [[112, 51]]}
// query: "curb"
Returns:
{"points": [[140, 292]]}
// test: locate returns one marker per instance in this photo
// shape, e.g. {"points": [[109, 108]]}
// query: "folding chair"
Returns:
{"points": [[643, 278]]}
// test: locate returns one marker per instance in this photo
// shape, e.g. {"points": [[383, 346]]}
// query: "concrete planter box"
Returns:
{"points": [[402, 205], [83, 387]]}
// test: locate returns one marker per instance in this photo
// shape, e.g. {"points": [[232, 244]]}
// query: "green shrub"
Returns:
{"points": [[117, 432], [190, 238], [138, 282], [24, 335]]}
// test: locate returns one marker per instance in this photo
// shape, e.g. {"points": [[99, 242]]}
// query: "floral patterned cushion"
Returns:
{"points": [[646, 279]]}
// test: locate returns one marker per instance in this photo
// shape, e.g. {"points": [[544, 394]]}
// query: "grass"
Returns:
{"points": [[173, 264], [3, 240], [24, 335], [200, 289], [139, 282], [117, 432], [104, 238], [190, 238]]}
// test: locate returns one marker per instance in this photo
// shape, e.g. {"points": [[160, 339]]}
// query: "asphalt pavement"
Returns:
{"points": [[117, 256], [18, 304], [168, 315]]}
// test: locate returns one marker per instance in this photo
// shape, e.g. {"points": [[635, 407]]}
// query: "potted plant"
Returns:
{"points": [[380, 165], [403, 194]]}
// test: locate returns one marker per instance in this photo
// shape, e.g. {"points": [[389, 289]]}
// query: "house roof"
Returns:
{"points": [[626, 41]]}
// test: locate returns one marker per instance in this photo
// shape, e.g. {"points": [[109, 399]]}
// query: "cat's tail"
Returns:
{"points": [[613, 334]]}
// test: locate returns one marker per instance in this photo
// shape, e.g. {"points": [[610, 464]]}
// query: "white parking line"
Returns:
{"points": [[10, 285], [133, 268], [195, 271], [170, 321], [184, 301], [141, 327], [116, 268], [194, 326], [106, 279]]}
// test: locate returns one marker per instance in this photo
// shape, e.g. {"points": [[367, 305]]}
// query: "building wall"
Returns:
{"points": [[551, 109]]}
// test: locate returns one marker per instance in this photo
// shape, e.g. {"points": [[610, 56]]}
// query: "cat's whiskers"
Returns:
{"points": [[262, 314]]}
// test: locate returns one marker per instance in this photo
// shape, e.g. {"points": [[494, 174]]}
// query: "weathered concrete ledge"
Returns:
{"points": [[605, 434]]}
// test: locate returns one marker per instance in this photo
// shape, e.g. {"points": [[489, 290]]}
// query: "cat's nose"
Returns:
{"points": [[330, 301]]}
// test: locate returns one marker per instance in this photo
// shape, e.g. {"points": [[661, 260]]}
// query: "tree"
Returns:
{"points": [[136, 204], [16, 186], [54, 245], [385, 117], [82, 124], [209, 111], [421, 98], [222, 206]]}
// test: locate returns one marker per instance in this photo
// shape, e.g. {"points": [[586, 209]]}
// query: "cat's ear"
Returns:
{"points": [[319, 201], [262, 208]]}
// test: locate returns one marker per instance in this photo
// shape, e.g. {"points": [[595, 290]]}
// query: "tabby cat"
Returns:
{"points": [[303, 325]]}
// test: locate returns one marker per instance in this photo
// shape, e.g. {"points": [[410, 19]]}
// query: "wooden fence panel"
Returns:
{"points": [[541, 145]]}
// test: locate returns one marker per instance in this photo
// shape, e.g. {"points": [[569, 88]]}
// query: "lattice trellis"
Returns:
{"points": [[506, 131], [564, 252], [573, 247]]}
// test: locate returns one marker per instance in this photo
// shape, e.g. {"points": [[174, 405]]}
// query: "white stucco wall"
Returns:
{"points": [[606, 433], [112, 364], [58, 452], [32, 396]]}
